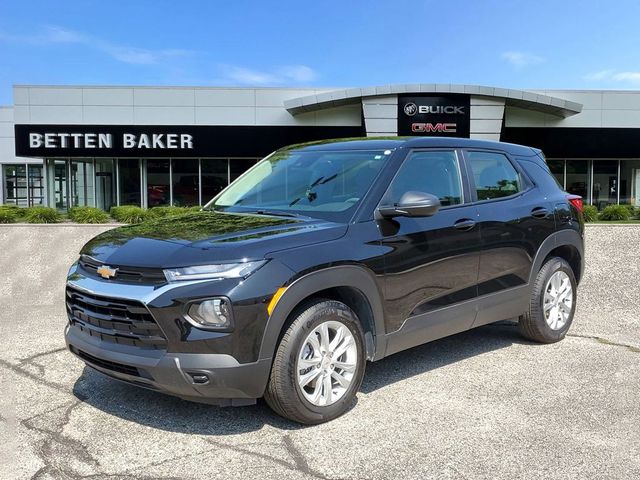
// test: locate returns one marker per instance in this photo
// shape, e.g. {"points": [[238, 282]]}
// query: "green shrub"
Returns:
{"points": [[129, 214], [18, 211], [590, 213], [42, 215], [88, 215], [7, 216], [615, 213], [9, 213], [634, 212], [161, 212]]}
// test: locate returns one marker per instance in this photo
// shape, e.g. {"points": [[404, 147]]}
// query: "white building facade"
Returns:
{"points": [[64, 146]]}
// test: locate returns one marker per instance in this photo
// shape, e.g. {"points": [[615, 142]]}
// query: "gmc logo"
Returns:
{"points": [[434, 127]]}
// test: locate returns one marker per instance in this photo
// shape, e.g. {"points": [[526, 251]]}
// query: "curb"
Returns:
{"points": [[62, 224], [612, 224]]}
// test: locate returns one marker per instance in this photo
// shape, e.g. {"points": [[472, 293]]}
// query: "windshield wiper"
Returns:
{"points": [[310, 194], [275, 213]]}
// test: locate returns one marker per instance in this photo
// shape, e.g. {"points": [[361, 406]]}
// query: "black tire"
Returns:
{"points": [[533, 325], [283, 394]]}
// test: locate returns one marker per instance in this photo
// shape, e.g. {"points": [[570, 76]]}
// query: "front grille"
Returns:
{"points": [[126, 322], [136, 275], [107, 364]]}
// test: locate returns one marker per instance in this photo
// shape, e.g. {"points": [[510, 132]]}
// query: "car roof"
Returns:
{"points": [[383, 143]]}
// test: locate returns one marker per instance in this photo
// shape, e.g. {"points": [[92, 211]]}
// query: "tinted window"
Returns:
{"points": [[494, 175], [434, 172]]}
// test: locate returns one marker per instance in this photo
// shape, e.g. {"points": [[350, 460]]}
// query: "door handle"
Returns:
{"points": [[539, 212], [464, 224]]}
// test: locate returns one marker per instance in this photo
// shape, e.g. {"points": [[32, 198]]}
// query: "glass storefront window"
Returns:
{"points": [[557, 168], [105, 183], [237, 166], [578, 178], [630, 182], [57, 193], [158, 184], [184, 172], [71, 182], [215, 176], [82, 179], [605, 183], [36, 185], [15, 185], [129, 179]]}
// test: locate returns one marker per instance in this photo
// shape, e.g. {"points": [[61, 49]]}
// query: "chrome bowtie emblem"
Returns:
{"points": [[106, 271]]}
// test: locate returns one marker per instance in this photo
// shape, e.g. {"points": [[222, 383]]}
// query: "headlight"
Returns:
{"points": [[212, 313], [212, 272]]}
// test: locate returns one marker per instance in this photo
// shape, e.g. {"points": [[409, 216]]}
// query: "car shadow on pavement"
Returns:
{"points": [[169, 413], [439, 353], [165, 412]]}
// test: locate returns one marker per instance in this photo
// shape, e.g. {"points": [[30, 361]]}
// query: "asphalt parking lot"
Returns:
{"points": [[483, 404]]}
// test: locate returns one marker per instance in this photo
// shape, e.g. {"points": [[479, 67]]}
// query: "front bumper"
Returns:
{"points": [[207, 367], [228, 382]]}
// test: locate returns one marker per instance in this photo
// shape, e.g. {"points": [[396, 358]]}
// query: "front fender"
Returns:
{"points": [[353, 276]]}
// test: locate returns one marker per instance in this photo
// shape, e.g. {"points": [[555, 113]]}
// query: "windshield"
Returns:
{"points": [[323, 184]]}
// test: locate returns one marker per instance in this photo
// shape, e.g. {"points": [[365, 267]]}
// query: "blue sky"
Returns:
{"points": [[513, 43]]}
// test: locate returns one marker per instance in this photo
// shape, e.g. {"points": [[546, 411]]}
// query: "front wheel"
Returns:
{"points": [[553, 303], [319, 365]]}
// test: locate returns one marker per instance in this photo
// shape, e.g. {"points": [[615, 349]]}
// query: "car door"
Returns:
{"points": [[515, 217], [431, 265]]}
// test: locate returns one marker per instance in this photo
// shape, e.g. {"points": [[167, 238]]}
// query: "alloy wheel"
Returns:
{"points": [[558, 300], [326, 363]]}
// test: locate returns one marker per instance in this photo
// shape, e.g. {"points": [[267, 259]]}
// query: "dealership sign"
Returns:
{"points": [[55, 140], [104, 140], [166, 141], [433, 115]]}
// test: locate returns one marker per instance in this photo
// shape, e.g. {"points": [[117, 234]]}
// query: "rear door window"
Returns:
{"points": [[494, 175]]}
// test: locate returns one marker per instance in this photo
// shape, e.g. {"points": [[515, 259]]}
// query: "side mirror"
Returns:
{"points": [[413, 204]]}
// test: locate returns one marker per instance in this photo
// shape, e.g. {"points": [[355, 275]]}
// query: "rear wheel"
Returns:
{"points": [[319, 364], [553, 303]]}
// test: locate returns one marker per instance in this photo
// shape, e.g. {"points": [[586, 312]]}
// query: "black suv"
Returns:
{"points": [[321, 257]]}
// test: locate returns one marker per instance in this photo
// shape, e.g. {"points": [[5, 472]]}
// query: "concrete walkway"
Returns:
{"points": [[483, 404]]}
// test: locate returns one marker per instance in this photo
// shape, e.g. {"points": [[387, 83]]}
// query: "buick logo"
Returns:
{"points": [[410, 109]]}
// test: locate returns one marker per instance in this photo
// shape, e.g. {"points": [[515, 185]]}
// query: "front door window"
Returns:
{"points": [[434, 172]]}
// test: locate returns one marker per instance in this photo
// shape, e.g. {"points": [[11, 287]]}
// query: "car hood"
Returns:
{"points": [[206, 237]]}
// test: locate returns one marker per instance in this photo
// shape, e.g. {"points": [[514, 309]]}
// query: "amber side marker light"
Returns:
{"points": [[274, 299]]}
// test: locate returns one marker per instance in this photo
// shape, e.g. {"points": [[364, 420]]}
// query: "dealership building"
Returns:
{"points": [[102, 146]]}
